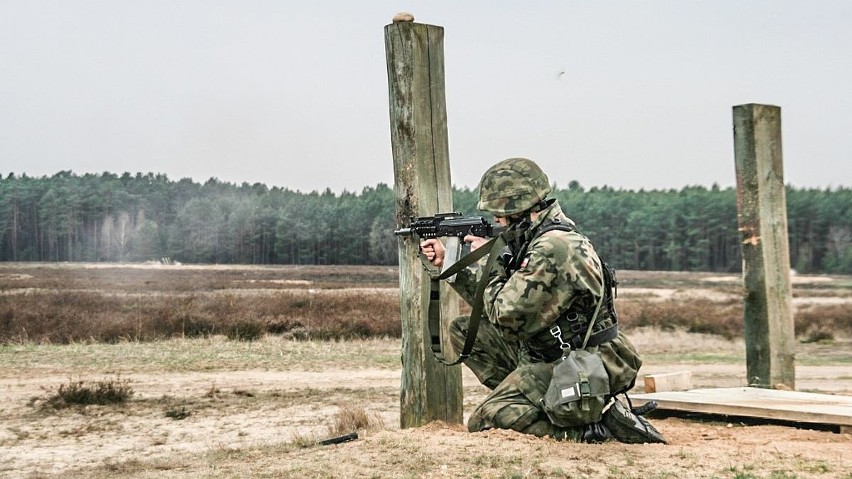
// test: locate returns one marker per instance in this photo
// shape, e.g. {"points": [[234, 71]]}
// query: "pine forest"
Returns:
{"points": [[148, 217]]}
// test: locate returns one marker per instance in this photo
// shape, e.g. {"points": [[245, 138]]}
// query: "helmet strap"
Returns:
{"points": [[542, 205]]}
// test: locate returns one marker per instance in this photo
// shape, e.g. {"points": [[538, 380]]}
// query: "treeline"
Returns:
{"points": [[107, 217], [144, 217]]}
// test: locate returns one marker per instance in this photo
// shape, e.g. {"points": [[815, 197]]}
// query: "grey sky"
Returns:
{"points": [[294, 94]]}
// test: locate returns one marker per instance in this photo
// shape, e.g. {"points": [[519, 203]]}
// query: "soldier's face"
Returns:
{"points": [[501, 220]]}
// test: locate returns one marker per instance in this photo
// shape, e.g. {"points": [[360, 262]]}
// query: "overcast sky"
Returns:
{"points": [[630, 94]]}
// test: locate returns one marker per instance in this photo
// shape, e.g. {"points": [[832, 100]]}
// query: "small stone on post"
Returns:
{"points": [[403, 17]]}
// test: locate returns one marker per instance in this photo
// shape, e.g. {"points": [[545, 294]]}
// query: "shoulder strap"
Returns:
{"points": [[554, 224], [592, 321]]}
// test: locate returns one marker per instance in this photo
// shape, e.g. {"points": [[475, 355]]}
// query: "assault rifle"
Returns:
{"points": [[454, 227]]}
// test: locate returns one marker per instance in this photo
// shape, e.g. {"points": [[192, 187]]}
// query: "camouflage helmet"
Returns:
{"points": [[512, 186]]}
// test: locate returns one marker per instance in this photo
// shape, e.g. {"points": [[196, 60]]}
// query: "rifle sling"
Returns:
{"points": [[494, 244]]}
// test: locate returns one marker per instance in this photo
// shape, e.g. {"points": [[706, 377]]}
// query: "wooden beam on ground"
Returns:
{"points": [[793, 406], [418, 120], [678, 381], [762, 218]]}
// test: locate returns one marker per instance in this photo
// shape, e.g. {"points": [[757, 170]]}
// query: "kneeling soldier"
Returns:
{"points": [[549, 275]]}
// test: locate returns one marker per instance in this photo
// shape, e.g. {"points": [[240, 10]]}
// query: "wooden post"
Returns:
{"points": [[418, 120], [762, 218]]}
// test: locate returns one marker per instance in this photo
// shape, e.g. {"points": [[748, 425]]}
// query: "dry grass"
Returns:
{"points": [[696, 316], [83, 393], [65, 303], [347, 424], [353, 419], [815, 323]]}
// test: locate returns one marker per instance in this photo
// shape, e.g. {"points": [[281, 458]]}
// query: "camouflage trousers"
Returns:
{"points": [[517, 384]]}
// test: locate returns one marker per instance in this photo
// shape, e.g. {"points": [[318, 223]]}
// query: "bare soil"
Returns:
{"points": [[245, 422]]}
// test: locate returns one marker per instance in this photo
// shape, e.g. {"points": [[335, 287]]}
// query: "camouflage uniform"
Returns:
{"points": [[559, 272]]}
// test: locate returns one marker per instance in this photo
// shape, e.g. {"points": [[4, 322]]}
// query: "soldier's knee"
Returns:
{"points": [[458, 330], [517, 417], [460, 324]]}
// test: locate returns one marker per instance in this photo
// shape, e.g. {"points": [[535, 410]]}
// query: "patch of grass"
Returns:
{"points": [[245, 330], [62, 317], [219, 451], [129, 466], [302, 440], [698, 358], [178, 413], [820, 323], [347, 420], [81, 393], [199, 354], [491, 461], [819, 467], [818, 336], [743, 475], [354, 418], [782, 475], [813, 322], [694, 316]]}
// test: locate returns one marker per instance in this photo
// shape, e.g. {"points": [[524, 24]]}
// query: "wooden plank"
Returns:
{"points": [[677, 381], [792, 406]]}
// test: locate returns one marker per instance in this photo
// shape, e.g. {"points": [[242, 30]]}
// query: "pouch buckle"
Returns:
{"points": [[556, 332]]}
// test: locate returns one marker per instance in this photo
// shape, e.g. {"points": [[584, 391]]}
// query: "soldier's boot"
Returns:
{"points": [[628, 427]]}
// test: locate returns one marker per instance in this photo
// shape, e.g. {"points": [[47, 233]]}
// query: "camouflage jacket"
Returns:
{"points": [[560, 272]]}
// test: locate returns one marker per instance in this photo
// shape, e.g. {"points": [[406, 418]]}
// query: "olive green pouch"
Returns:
{"points": [[578, 390]]}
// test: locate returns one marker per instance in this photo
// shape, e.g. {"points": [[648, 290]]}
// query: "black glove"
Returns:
{"points": [[596, 432]]}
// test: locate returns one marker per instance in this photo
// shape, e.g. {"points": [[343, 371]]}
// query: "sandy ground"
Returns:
{"points": [[252, 410], [247, 422]]}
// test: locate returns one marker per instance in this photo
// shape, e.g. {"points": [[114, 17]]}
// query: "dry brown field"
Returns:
{"points": [[237, 371]]}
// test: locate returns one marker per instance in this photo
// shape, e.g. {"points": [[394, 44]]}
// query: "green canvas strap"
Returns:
{"points": [[434, 318], [584, 390], [592, 321]]}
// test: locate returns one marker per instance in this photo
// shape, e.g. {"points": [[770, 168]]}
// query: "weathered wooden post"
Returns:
{"points": [[418, 120], [762, 218]]}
